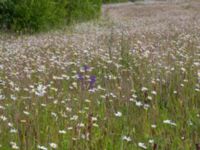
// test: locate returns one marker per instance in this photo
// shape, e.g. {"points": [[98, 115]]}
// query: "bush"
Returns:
{"points": [[31, 15], [114, 1], [36, 15], [82, 10]]}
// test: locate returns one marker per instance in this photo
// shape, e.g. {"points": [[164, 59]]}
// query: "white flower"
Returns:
{"points": [[87, 101], [43, 105], [1, 66], [10, 124], [142, 145], [26, 112], [95, 125], [169, 122], [41, 68], [14, 145], [75, 117], [138, 103], [151, 141], [13, 131], [92, 90], [134, 96], [81, 125], [126, 138], [183, 69], [1, 107], [2, 97], [41, 90], [68, 109], [196, 64], [41, 147], [3, 118], [57, 78], [190, 123], [13, 97], [69, 128], [74, 139], [146, 106], [62, 131], [144, 89], [118, 114], [75, 85], [198, 90], [175, 92], [53, 145], [149, 98], [153, 126], [154, 92], [54, 114], [94, 119]]}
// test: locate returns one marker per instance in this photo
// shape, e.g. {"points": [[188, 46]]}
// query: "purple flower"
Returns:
{"points": [[80, 77], [86, 68], [92, 81]]}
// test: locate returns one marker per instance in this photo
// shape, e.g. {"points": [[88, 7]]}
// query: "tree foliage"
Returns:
{"points": [[36, 15]]}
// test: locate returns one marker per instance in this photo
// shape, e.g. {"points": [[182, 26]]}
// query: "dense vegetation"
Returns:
{"points": [[82, 10], [114, 1], [32, 15], [130, 81], [126, 98]]}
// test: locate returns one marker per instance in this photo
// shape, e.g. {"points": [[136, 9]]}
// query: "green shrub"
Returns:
{"points": [[36, 15], [114, 1], [31, 15], [82, 10]]}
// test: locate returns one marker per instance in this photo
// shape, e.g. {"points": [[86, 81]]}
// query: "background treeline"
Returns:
{"points": [[114, 1], [37, 15]]}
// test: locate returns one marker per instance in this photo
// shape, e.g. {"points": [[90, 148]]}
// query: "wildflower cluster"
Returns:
{"points": [[104, 86]]}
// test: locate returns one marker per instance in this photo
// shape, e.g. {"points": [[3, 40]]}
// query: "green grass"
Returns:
{"points": [[166, 89], [104, 85]]}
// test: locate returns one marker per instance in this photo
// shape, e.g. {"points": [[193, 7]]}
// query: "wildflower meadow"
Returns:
{"points": [[127, 81]]}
